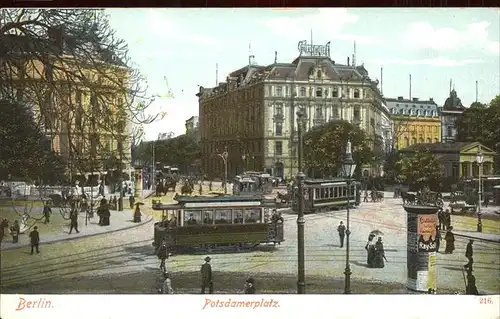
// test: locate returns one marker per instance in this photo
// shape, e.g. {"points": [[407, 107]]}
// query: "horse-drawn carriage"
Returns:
{"points": [[209, 222], [424, 197]]}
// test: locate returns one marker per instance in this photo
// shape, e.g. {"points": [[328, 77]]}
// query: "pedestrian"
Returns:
{"points": [[341, 230], [210, 185], [206, 277], [447, 219], [440, 219], [162, 254], [46, 213], [365, 197], [137, 214], [35, 240], [15, 230], [200, 188], [250, 286], [378, 260], [471, 288], [468, 254], [450, 241], [438, 238], [167, 284], [73, 216], [131, 200], [370, 248]]}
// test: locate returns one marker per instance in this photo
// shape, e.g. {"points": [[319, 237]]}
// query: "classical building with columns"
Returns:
{"points": [[252, 114]]}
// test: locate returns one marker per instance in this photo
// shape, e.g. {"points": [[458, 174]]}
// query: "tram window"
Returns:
{"points": [[192, 217], [336, 192], [252, 216], [331, 192], [237, 216], [344, 192], [317, 193], [208, 217], [323, 193], [223, 216]]}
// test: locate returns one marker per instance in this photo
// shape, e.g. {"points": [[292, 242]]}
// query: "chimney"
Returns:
{"points": [[400, 98], [415, 99], [431, 99], [348, 61]]}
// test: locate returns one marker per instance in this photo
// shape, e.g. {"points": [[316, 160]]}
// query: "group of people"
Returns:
{"points": [[444, 219], [206, 281], [376, 253]]}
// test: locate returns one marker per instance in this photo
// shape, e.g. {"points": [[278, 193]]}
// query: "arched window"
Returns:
{"points": [[421, 140], [302, 91], [429, 140]]}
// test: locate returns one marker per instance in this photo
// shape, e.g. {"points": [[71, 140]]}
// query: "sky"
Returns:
{"points": [[177, 50]]}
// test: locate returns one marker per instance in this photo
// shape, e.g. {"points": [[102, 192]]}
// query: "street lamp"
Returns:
{"points": [[301, 282], [348, 168], [479, 159], [224, 156]]}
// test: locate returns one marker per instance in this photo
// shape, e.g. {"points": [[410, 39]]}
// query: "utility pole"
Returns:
{"points": [[301, 281]]}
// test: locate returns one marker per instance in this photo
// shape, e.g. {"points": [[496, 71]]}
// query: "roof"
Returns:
{"points": [[453, 102], [455, 147], [223, 198]]}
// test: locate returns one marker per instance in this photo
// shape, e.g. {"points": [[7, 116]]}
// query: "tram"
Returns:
{"points": [[209, 222], [326, 195]]}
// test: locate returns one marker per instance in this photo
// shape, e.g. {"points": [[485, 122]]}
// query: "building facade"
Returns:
{"points": [[414, 121], [193, 128], [451, 111], [86, 124], [253, 113]]}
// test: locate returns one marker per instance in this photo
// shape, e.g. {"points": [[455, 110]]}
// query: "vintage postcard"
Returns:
{"points": [[220, 162]]}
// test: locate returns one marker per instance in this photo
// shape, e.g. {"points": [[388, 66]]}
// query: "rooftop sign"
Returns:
{"points": [[313, 50]]}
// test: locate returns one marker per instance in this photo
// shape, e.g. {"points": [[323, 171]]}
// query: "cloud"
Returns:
{"points": [[475, 36], [329, 21], [440, 61], [164, 27]]}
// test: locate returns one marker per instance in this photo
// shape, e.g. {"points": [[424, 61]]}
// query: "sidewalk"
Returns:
{"points": [[478, 236], [118, 221]]}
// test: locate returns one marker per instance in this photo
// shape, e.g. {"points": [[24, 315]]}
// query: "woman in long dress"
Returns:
{"points": [[378, 261], [450, 241], [370, 248]]}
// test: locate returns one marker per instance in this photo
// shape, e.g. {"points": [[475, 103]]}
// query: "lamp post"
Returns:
{"points": [[243, 157], [348, 167], [479, 159], [301, 282], [224, 156]]}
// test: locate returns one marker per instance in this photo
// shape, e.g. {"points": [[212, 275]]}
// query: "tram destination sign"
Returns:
{"points": [[313, 50]]}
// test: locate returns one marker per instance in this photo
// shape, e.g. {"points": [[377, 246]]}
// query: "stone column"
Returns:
{"points": [[421, 247]]}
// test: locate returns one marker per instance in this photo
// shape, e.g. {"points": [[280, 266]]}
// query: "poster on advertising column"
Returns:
{"points": [[426, 233]]}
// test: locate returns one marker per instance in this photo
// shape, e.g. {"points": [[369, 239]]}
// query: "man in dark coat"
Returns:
{"points": [[471, 288], [468, 253], [438, 238], [447, 219], [440, 219], [206, 277], [73, 216], [341, 230], [250, 286], [46, 213], [35, 239], [450, 241], [378, 261]]}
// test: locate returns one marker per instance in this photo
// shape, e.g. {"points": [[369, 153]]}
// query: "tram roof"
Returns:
{"points": [[222, 198], [322, 181]]}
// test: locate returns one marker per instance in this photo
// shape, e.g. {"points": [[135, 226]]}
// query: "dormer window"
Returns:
{"points": [[319, 92], [356, 94], [318, 74]]}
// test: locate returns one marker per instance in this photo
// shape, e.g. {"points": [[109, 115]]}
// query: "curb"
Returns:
{"points": [[478, 238], [149, 219]]}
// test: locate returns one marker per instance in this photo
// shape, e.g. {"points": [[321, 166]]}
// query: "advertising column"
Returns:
{"points": [[421, 247], [138, 183]]}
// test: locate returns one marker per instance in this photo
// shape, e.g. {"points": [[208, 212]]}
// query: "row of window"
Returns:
{"points": [[413, 112], [415, 106], [408, 141], [466, 172], [250, 147], [318, 92], [318, 111], [332, 192], [222, 216], [419, 128]]}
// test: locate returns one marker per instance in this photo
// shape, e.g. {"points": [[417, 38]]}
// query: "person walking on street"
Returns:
{"points": [[250, 286], [438, 238], [35, 240], [365, 197], [440, 219], [162, 255], [450, 241], [73, 216], [46, 213], [206, 277], [447, 219], [167, 284], [468, 253], [15, 230], [341, 230]]}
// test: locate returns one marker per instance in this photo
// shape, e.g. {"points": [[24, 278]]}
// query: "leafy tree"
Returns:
{"points": [[324, 147], [419, 168], [25, 151], [481, 123]]}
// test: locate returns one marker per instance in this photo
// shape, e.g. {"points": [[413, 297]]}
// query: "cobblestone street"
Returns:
{"points": [[130, 251]]}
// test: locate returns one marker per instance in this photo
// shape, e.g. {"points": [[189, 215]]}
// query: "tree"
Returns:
{"points": [[481, 123], [69, 65], [324, 147], [419, 168], [25, 151]]}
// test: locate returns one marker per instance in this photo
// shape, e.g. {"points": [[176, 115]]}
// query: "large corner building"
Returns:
{"points": [[252, 114]]}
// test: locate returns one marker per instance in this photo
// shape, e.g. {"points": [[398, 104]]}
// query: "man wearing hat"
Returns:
{"points": [[35, 239], [206, 277]]}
